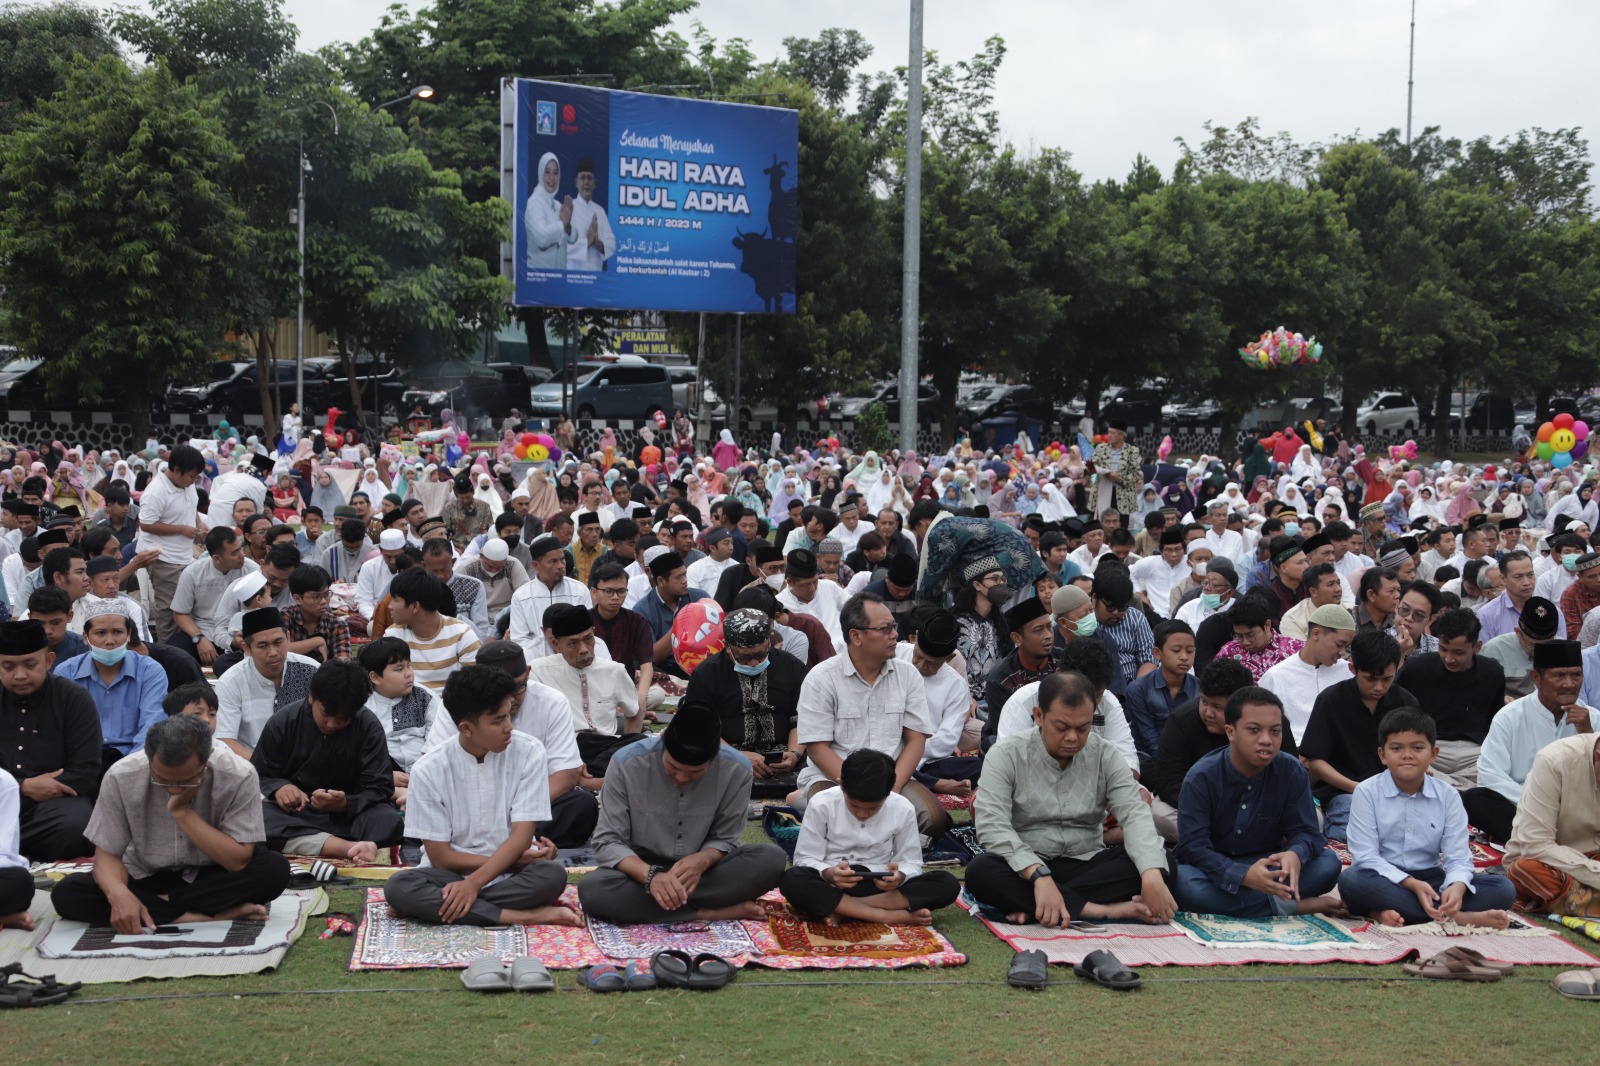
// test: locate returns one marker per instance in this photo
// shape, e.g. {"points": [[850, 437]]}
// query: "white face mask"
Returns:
{"points": [[1199, 569], [775, 582]]}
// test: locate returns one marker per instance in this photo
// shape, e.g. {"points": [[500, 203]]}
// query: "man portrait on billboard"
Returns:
{"points": [[587, 221], [546, 219]]}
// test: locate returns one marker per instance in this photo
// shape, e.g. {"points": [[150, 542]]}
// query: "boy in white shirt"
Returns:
{"points": [[863, 826], [16, 883], [405, 709]]}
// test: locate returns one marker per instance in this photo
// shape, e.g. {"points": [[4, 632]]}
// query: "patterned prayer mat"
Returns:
{"points": [[731, 940], [1295, 932], [1484, 856], [781, 824], [385, 943], [79, 940], [785, 942], [955, 803]]}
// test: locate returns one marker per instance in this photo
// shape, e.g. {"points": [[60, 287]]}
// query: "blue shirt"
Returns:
{"points": [[658, 615], [1131, 643], [1589, 695], [1395, 834], [1227, 821], [130, 705], [1499, 616], [71, 645], [1148, 704]]}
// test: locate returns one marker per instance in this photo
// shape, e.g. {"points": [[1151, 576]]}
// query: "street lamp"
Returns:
{"points": [[300, 313], [421, 92]]}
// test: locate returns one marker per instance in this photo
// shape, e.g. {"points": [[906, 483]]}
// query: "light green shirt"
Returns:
{"points": [[1031, 809]]}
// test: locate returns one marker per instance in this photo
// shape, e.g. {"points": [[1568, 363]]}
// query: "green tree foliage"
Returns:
{"points": [[36, 41]]}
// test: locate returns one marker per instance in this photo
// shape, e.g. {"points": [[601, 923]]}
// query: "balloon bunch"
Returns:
{"points": [[1055, 451], [828, 444], [1280, 348], [1561, 440], [537, 447], [331, 435], [1406, 451]]}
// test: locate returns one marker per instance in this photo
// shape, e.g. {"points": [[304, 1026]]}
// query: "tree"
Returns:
{"points": [[118, 239], [35, 45]]}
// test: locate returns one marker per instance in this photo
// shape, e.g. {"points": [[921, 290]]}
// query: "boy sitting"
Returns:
{"points": [[196, 698], [1408, 839], [404, 708], [864, 826], [475, 805], [16, 883]]}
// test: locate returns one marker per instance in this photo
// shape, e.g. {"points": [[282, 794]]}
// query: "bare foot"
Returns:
{"points": [[252, 912], [395, 914], [832, 919], [738, 912], [555, 915], [1389, 918], [1133, 909], [1322, 905], [1483, 919], [1019, 918], [922, 916], [19, 920], [362, 851]]}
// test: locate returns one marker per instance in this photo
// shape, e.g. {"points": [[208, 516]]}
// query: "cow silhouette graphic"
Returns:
{"points": [[769, 256]]}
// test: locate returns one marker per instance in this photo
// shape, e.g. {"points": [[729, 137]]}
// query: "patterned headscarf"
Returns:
{"points": [[746, 627]]}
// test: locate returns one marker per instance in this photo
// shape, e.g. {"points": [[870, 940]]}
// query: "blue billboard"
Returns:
{"points": [[632, 201]]}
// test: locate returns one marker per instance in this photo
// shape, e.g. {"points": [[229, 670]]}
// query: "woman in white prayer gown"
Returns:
{"points": [[547, 234]]}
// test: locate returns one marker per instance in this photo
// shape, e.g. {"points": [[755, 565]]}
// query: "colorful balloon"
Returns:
{"points": [[1562, 440], [1543, 450], [1545, 429], [536, 452], [697, 633], [1580, 449], [1563, 421], [1561, 460], [1580, 429]]}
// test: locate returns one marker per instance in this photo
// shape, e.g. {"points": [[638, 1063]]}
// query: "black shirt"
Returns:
{"points": [[355, 760], [1213, 633], [1184, 741], [628, 638], [1461, 705], [56, 728], [1342, 732], [717, 683], [1005, 677]]}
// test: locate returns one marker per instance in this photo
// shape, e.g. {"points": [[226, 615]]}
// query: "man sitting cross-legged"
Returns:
{"points": [[1552, 856], [1039, 814], [324, 767], [1408, 839], [16, 883], [475, 804], [864, 826], [671, 814], [1248, 843], [178, 838]]}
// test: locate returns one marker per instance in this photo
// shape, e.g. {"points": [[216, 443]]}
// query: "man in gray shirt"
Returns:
{"points": [[671, 815], [1039, 816], [201, 606]]}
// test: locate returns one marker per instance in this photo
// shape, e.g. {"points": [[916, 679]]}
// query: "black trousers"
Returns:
{"points": [[966, 768], [572, 818], [1108, 877], [380, 823], [16, 890], [52, 831], [746, 874], [1490, 812], [78, 898], [805, 889], [596, 749]]}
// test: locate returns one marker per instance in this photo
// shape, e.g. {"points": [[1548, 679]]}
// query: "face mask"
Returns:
{"points": [[510, 539], [1200, 569], [108, 656], [775, 582], [1086, 626], [1291, 529], [1211, 600], [997, 594], [1569, 563], [752, 669]]}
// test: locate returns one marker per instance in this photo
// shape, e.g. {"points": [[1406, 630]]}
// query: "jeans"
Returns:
{"points": [[1367, 892], [1336, 817], [1198, 893]]}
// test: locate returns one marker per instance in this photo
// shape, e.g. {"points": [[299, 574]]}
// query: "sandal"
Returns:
{"points": [[1478, 958], [672, 968], [709, 971], [487, 974], [604, 978], [1030, 970], [1106, 969], [47, 992], [530, 975], [638, 976], [319, 873], [1447, 967], [1578, 984]]}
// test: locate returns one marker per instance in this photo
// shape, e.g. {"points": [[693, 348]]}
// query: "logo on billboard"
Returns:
{"points": [[569, 119], [545, 118]]}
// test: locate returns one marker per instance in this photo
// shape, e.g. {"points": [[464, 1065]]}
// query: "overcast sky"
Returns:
{"points": [[1107, 79]]}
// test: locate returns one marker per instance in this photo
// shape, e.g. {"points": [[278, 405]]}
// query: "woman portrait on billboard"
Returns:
{"points": [[547, 229]]}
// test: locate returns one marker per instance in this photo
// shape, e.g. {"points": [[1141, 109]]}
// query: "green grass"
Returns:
{"points": [[965, 1014]]}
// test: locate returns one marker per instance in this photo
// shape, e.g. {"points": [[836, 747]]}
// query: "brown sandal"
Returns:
{"points": [[1478, 958], [1447, 967]]}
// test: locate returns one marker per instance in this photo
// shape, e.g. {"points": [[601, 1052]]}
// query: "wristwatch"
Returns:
{"points": [[195, 638], [651, 875], [1042, 871]]}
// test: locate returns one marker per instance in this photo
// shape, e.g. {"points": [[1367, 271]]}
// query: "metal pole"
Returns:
{"points": [[702, 417], [300, 316], [1411, 69], [911, 269], [736, 416]]}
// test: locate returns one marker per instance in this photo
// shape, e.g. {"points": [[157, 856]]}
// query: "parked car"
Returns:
{"points": [[889, 395], [378, 383], [1486, 413], [1388, 412], [989, 401], [473, 392], [1202, 413], [1135, 406], [628, 389], [234, 390]]}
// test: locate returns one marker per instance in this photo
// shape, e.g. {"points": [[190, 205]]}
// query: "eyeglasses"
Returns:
{"points": [[887, 629], [196, 783], [610, 592], [1418, 615]]}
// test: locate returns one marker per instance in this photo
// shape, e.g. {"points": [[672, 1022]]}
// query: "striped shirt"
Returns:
{"points": [[435, 659], [1132, 644]]}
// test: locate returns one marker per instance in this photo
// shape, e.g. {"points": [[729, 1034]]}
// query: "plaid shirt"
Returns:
{"points": [[334, 630]]}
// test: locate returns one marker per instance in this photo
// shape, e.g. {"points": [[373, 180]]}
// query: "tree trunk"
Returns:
{"points": [[349, 363], [1441, 415], [264, 370]]}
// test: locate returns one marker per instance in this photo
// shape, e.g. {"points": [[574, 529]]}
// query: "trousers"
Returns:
{"points": [[1367, 892], [596, 749], [1489, 811], [380, 823], [1108, 876], [1198, 893], [419, 893], [966, 768], [809, 894], [52, 831], [744, 874], [16, 890], [572, 818], [1336, 817], [78, 897], [163, 586], [1542, 889]]}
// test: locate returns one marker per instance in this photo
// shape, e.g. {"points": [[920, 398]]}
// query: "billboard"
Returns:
{"points": [[632, 201]]}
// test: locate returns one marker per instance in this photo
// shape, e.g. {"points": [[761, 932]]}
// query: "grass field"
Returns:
{"points": [[319, 1011]]}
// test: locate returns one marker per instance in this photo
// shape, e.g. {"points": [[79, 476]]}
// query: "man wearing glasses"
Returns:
{"points": [[215, 867], [625, 633], [313, 630], [867, 698]]}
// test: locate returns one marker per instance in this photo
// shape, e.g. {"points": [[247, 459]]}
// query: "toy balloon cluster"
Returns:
{"points": [[1280, 348], [537, 447], [1561, 440]]}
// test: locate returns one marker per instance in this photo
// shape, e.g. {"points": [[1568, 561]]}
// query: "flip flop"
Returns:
{"points": [[1447, 967], [317, 874], [1578, 984], [1106, 970], [604, 978], [1478, 958], [47, 992], [530, 975], [486, 975], [1030, 970], [709, 971], [638, 976], [672, 968]]}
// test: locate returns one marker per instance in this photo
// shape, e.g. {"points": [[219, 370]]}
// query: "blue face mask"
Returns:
{"points": [[1570, 563], [1291, 529], [1211, 600], [752, 669], [108, 656]]}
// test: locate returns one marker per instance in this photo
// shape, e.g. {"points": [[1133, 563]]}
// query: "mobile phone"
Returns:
{"points": [[876, 875], [776, 755], [169, 930]]}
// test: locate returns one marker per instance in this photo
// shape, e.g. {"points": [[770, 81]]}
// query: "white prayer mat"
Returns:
{"points": [[79, 940]]}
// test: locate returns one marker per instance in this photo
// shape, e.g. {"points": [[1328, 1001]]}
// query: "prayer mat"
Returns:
{"points": [[79, 940], [781, 824], [1294, 932], [1586, 926], [730, 939], [1484, 856], [385, 943], [794, 936], [955, 803], [1522, 944]]}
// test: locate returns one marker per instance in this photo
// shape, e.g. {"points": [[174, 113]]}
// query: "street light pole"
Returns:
{"points": [[911, 268], [300, 315]]}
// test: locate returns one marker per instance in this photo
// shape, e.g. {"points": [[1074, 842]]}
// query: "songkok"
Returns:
{"points": [[543, 546], [800, 563], [589, 518], [1372, 510], [718, 535], [745, 628], [903, 571], [1311, 544], [987, 564], [51, 537], [1540, 620], [62, 520], [463, 486], [830, 546], [261, 463], [391, 540], [1284, 549], [392, 497], [1025, 612], [102, 564], [848, 507], [393, 518], [410, 502], [495, 550], [765, 552], [1066, 599], [503, 655], [938, 634], [1393, 557], [1173, 535], [1585, 562], [1332, 616], [694, 736], [1510, 523], [1117, 424], [95, 607], [1556, 654], [248, 586], [21, 638], [665, 563], [22, 510], [433, 527], [1224, 566], [567, 620], [260, 620]]}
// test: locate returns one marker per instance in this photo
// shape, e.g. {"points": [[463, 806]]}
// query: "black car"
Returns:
{"points": [[889, 396], [990, 401], [376, 381], [1135, 406], [473, 392], [1485, 413], [22, 388], [234, 391]]}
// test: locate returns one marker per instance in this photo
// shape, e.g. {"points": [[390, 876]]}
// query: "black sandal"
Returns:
{"points": [[1106, 969], [47, 992], [1030, 970]]}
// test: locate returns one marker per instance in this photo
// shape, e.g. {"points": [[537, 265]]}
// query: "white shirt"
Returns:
{"points": [[1156, 580], [372, 585], [594, 696], [830, 835], [825, 605], [581, 255], [228, 489], [849, 538], [704, 574], [1194, 612], [1351, 565], [16, 575], [545, 715], [948, 702], [837, 706], [1516, 733], [1084, 561], [164, 502], [471, 805], [1226, 543], [1297, 683], [1110, 723], [11, 830], [528, 605], [1553, 583], [407, 742], [245, 699]]}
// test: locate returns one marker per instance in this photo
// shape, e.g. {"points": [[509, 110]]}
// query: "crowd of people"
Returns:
{"points": [[1158, 685]]}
